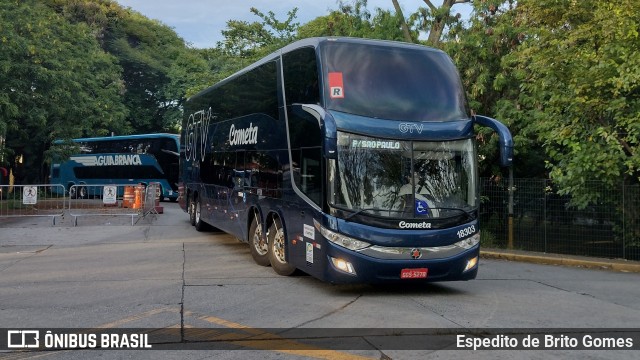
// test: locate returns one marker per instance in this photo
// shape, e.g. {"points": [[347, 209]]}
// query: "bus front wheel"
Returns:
{"points": [[258, 243], [277, 249]]}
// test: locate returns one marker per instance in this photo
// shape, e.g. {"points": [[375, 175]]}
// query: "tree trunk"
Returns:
{"points": [[440, 20], [405, 28]]}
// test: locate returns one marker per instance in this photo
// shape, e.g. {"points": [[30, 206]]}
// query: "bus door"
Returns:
{"points": [[228, 196]]}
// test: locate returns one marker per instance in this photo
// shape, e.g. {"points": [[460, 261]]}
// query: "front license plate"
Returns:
{"points": [[414, 273]]}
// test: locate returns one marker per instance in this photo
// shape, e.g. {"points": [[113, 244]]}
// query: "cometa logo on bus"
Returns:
{"points": [[246, 136], [107, 160], [410, 225]]}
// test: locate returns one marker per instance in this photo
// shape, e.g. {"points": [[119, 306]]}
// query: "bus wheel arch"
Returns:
{"points": [[277, 240], [258, 243]]}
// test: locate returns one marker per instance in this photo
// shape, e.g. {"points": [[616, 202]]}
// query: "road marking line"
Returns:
{"points": [[137, 317], [32, 355], [269, 341], [257, 339]]}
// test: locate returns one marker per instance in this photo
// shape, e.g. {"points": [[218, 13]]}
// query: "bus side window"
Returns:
{"points": [[300, 74]]}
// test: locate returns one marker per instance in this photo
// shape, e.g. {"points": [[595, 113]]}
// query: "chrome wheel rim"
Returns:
{"points": [[278, 247], [259, 241]]}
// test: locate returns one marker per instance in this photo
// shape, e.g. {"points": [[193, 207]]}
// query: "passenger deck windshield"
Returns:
{"points": [[396, 83], [404, 179]]}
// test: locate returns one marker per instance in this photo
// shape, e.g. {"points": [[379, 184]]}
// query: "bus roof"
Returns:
{"points": [[316, 42]]}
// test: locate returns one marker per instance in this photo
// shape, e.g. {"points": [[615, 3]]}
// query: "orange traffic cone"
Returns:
{"points": [[137, 203]]}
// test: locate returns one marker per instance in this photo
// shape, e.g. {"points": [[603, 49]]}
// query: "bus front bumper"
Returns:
{"points": [[347, 266]]}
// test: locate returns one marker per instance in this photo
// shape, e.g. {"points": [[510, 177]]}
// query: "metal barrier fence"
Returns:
{"points": [[107, 199], [32, 200], [152, 195], [547, 222]]}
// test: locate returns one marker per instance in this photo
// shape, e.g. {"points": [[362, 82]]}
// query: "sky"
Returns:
{"points": [[200, 22]]}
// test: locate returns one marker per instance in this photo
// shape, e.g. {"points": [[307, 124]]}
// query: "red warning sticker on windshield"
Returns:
{"points": [[336, 87]]}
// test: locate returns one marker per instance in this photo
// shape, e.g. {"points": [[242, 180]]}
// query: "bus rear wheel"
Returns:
{"points": [[77, 192], [199, 224], [258, 243], [277, 249], [192, 211]]}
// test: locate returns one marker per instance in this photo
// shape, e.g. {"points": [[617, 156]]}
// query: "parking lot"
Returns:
{"points": [[162, 274]]}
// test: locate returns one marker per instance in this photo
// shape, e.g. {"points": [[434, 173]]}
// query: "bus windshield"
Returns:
{"points": [[404, 179], [396, 83]]}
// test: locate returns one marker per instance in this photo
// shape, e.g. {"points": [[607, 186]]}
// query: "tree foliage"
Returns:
{"points": [[356, 20], [72, 68], [434, 20], [152, 56], [492, 89], [252, 40], [55, 81], [579, 76]]}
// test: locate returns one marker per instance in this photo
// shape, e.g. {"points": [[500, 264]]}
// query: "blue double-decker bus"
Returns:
{"points": [[128, 159], [351, 160]]}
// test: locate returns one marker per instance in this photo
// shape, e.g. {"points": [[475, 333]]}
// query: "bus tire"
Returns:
{"points": [[258, 243], [77, 192], [199, 224], [192, 211], [278, 249], [82, 192], [73, 191]]}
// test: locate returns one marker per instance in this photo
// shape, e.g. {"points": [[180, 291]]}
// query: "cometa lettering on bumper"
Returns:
{"points": [[410, 225]]}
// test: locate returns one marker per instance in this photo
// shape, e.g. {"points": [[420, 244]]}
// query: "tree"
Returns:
{"points": [[439, 18], [355, 20], [147, 51], [432, 20], [253, 40], [579, 71], [405, 28], [55, 81], [152, 56], [492, 88]]}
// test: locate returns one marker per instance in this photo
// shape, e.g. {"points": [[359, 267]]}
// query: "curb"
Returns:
{"points": [[565, 260]]}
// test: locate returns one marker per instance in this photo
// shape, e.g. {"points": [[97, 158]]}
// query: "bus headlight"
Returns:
{"points": [[471, 264], [343, 265], [341, 240], [469, 242]]}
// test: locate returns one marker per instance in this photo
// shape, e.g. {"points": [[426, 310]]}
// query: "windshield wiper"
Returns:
{"points": [[365, 209], [468, 213]]}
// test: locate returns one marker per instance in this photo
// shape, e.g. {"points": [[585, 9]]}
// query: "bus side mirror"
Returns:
{"points": [[506, 140], [315, 111], [325, 123]]}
